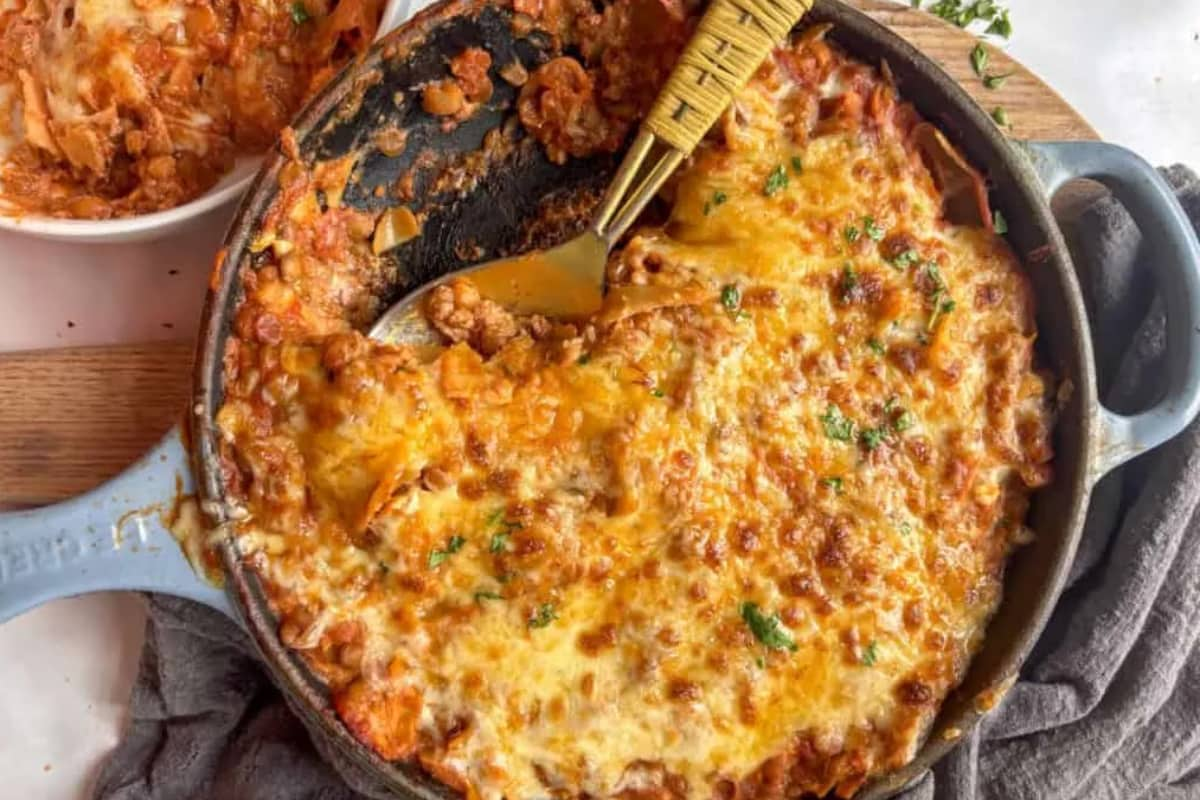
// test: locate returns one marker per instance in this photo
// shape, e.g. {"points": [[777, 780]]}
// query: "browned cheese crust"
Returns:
{"points": [[113, 108], [737, 535]]}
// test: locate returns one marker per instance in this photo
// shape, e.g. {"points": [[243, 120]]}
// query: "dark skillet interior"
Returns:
{"points": [[526, 201]]}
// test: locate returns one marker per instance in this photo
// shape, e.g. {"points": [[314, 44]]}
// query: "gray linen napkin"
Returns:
{"points": [[1107, 707]]}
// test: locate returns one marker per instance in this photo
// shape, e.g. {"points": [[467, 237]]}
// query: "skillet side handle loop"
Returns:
{"points": [[112, 538], [1176, 264]]}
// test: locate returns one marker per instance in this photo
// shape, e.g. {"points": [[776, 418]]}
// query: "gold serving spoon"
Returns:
{"points": [[732, 39]]}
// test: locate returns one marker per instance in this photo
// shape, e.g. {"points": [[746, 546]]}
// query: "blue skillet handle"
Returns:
{"points": [[111, 538], [1176, 264]]}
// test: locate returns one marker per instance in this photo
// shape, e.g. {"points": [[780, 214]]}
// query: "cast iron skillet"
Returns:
{"points": [[113, 538]]}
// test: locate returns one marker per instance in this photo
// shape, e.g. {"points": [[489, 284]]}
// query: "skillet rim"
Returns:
{"points": [[306, 694]]}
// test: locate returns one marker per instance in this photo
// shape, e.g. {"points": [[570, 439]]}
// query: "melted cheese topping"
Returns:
{"points": [[745, 528], [121, 107]]}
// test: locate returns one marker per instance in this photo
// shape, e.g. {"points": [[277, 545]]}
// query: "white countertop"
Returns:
{"points": [[67, 667]]}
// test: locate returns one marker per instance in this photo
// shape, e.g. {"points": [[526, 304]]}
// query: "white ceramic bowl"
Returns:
{"points": [[163, 223]]}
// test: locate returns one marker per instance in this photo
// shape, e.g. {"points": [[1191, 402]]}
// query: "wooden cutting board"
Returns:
{"points": [[70, 419]]}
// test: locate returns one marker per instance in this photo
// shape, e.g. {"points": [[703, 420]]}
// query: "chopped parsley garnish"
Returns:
{"points": [[906, 259], [480, 596], [851, 234], [731, 297], [767, 630], [939, 295], [657, 392], [870, 655], [1000, 116], [776, 181], [300, 14], [499, 542], [877, 347], [761, 662], [962, 13], [453, 545], [718, 199], [797, 165], [903, 422], [545, 615], [979, 59], [833, 482], [935, 275], [849, 283], [837, 425], [996, 81], [873, 231], [999, 223], [1001, 25], [584, 359], [873, 437], [905, 529]]}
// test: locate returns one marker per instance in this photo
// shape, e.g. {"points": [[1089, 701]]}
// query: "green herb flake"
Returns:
{"points": [[300, 14], [979, 59], [1001, 26], [482, 595], [584, 359], [870, 654], [797, 165], [877, 347], [545, 615], [499, 543], [906, 259], [873, 437], [905, 529], [996, 81], [851, 234], [718, 199], [837, 426], [935, 276], [1001, 117], [848, 284], [453, 545], [761, 662], [833, 482], [767, 629], [999, 223], [656, 392], [776, 181], [731, 297], [903, 422], [939, 296], [873, 231]]}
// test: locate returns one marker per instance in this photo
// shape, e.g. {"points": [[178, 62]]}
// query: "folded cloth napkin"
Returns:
{"points": [[1108, 706]]}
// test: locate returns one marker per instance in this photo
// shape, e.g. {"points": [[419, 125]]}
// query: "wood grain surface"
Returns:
{"points": [[70, 419]]}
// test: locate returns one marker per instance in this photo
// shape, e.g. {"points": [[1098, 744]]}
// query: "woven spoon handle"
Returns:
{"points": [[733, 38]]}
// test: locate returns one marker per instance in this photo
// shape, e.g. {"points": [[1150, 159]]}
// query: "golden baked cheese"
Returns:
{"points": [[739, 533], [113, 108]]}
